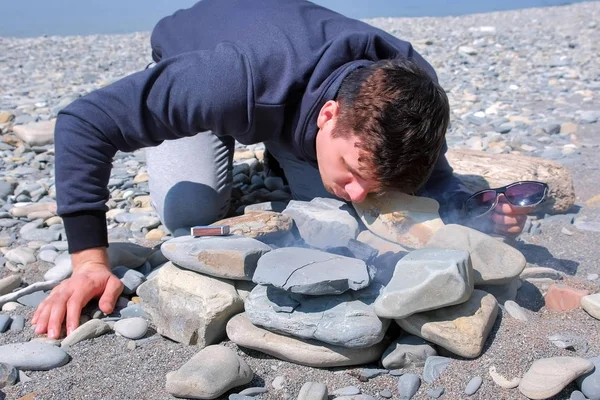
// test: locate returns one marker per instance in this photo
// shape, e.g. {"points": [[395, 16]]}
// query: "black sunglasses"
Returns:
{"points": [[518, 194]]}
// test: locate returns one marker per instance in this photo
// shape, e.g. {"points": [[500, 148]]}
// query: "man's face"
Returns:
{"points": [[338, 160]]}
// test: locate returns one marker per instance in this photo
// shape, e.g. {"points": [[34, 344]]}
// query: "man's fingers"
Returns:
{"points": [[503, 219], [41, 322], [113, 289], [508, 229], [57, 316]]}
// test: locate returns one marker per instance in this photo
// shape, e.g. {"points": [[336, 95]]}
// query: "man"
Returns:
{"points": [[346, 109]]}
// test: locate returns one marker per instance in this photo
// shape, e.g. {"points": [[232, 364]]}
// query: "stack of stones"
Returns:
{"points": [[318, 289]]}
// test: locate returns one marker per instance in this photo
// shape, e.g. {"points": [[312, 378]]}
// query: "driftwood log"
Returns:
{"points": [[481, 170]]}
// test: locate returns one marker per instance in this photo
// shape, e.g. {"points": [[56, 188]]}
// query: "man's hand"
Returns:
{"points": [[91, 278], [504, 219]]}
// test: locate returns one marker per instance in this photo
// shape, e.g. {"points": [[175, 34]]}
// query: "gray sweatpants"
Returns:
{"points": [[190, 178]]}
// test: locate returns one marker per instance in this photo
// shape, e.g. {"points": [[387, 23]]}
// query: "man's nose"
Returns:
{"points": [[356, 192]]}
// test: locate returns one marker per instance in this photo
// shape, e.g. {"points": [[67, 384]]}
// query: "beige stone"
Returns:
{"points": [[384, 246], [189, 307], [142, 201], [311, 353], [494, 262], [23, 210], [266, 226], [41, 215], [461, 329], [548, 376], [141, 177], [10, 283], [53, 221], [5, 117], [401, 218], [36, 133], [591, 305], [243, 155], [155, 234]]}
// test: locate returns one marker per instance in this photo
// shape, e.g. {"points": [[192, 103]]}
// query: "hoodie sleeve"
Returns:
{"points": [[180, 96], [447, 188]]}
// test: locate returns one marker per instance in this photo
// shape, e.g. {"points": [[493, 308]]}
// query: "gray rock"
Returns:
{"points": [[41, 235], [427, 279], [396, 372], [131, 279], [435, 393], [577, 395], [48, 255], [356, 397], [211, 372], [494, 262], [473, 385], [33, 299], [88, 330], [589, 383], [346, 391], [407, 351], [5, 321], [236, 396], [23, 378], [61, 270], [8, 375], [21, 255], [324, 223], [551, 128], [278, 383], [18, 323], [6, 189], [386, 394], [434, 366], [346, 320], [408, 385], [232, 257], [589, 117], [309, 271], [8, 284], [592, 277], [145, 222], [516, 311], [33, 356], [132, 328], [253, 391], [370, 373], [569, 341], [132, 311]]}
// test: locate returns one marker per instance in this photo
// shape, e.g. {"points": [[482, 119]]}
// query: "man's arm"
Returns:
{"points": [[180, 96]]}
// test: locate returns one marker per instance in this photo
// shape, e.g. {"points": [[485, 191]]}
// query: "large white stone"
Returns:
{"points": [[401, 218], [424, 280], [188, 307], [36, 133], [591, 304], [548, 376]]}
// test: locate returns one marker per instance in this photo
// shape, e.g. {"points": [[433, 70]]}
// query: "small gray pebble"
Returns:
{"points": [[23, 378], [369, 373], [396, 372], [577, 395], [386, 393], [18, 323], [8, 375], [236, 396], [253, 391], [131, 345], [408, 385], [4, 322], [473, 385], [435, 393], [346, 391]]}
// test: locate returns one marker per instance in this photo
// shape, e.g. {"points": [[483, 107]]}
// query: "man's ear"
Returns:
{"points": [[329, 112]]}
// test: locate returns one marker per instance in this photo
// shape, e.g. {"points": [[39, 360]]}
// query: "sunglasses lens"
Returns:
{"points": [[481, 203], [526, 194]]}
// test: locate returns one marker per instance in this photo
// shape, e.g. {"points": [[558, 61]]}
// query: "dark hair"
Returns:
{"points": [[400, 114]]}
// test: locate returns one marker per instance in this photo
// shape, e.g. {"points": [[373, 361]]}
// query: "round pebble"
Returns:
{"points": [[132, 328], [473, 385]]}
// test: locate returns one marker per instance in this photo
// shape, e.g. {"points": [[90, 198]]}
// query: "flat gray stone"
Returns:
{"points": [[134, 310], [5, 321], [589, 383], [132, 328], [211, 372], [434, 366], [323, 222], [21, 255], [131, 279], [436, 393], [310, 353], [8, 375], [426, 279], [407, 351], [408, 385], [253, 391], [33, 299], [33, 356], [232, 257], [62, 268], [18, 323], [494, 262], [346, 320], [473, 385], [370, 373], [8, 284], [309, 271], [48, 255], [91, 329], [516, 311], [313, 391], [386, 394], [346, 391]]}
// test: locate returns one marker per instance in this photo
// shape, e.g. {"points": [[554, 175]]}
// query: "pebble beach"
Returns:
{"points": [[523, 82]]}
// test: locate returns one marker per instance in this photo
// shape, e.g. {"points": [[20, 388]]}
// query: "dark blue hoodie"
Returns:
{"points": [[256, 70]]}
